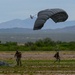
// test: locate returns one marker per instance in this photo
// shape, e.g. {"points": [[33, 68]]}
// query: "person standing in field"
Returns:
{"points": [[18, 56], [57, 56]]}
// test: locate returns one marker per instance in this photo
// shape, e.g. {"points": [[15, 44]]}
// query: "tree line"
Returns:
{"points": [[46, 44]]}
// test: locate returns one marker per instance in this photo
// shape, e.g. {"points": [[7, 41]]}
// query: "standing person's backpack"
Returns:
{"points": [[55, 55]]}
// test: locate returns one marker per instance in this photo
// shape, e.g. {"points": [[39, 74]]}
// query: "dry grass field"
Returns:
{"points": [[38, 55], [39, 63]]}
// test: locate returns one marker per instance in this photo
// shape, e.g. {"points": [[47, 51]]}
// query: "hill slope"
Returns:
{"points": [[29, 23], [22, 35]]}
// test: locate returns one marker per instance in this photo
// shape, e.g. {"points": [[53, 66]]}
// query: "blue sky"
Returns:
{"points": [[21, 9]]}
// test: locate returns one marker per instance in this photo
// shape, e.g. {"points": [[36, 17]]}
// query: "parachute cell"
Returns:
{"points": [[57, 15]]}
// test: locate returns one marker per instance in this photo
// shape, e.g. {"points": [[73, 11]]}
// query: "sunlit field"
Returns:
{"points": [[39, 63]]}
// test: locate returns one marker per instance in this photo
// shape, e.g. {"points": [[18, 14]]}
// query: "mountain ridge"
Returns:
{"points": [[23, 31], [29, 23], [69, 29], [22, 35]]}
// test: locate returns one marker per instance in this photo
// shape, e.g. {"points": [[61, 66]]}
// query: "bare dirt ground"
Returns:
{"points": [[44, 55]]}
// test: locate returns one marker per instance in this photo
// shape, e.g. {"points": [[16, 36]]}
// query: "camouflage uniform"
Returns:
{"points": [[57, 57], [18, 56]]}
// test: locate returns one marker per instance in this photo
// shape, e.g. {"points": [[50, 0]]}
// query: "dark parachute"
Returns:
{"points": [[57, 15], [3, 63]]}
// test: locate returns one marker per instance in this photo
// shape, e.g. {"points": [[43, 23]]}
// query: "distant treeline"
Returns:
{"points": [[40, 45]]}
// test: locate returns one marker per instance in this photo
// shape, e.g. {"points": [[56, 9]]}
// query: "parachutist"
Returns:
{"points": [[18, 56], [57, 57], [31, 16]]}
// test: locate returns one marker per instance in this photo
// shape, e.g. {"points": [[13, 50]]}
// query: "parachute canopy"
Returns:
{"points": [[57, 15], [2, 63]]}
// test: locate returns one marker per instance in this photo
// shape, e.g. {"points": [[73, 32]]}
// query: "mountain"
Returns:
{"points": [[69, 29], [22, 35], [29, 23], [17, 23], [21, 31], [50, 24]]}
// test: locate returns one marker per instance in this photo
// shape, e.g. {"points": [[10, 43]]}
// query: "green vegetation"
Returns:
{"points": [[41, 66], [41, 45]]}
